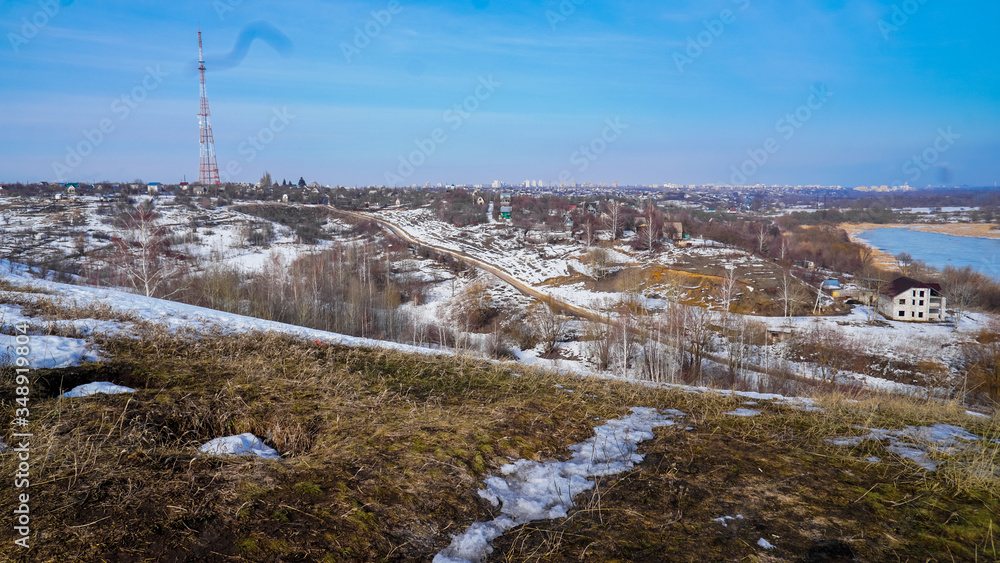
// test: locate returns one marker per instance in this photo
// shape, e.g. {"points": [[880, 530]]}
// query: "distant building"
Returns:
{"points": [[674, 230], [907, 299], [831, 287]]}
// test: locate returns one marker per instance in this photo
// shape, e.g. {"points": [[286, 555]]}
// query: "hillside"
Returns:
{"points": [[384, 453]]}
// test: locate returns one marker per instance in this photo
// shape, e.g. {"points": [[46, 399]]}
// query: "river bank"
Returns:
{"points": [[975, 230], [938, 245]]}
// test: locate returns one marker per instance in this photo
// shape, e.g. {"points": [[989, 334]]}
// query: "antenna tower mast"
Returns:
{"points": [[208, 172]]}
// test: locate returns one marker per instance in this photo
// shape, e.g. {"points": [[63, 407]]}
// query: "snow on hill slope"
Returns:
{"points": [[54, 351]]}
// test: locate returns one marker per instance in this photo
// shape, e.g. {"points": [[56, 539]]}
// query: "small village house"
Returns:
{"points": [[907, 299], [506, 210]]}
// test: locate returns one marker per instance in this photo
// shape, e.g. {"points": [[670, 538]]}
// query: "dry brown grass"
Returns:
{"points": [[49, 309], [384, 452]]}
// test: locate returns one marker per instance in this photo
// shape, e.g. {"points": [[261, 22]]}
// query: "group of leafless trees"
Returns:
{"points": [[139, 255]]}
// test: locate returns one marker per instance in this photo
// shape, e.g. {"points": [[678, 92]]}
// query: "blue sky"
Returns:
{"points": [[714, 91]]}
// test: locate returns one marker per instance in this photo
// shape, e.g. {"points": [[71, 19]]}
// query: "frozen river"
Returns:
{"points": [[938, 250]]}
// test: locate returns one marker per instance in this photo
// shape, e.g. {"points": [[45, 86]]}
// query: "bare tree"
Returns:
{"points": [[141, 255], [871, 280], [660, 338], [742, 337], [981, 363], [762, 235], [783, 249], [625, 329], [599, 261], [790, 293], [904, 261], [600, 338], [613, 218], [549, 324], [589, 225], [650, 234], [700, 341], [727, 290], [960, 296]]}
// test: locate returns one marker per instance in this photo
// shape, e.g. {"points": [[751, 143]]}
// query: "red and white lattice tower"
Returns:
{"points": [[208, 172]]}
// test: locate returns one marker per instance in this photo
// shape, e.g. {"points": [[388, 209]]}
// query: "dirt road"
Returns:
{"points": [[562, 306]]}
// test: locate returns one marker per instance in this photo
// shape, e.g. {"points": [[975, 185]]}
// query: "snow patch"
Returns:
{"points": [[743, 412], [916, 442], [49, 352], [95, 388], [244, 444], [725, 519], [530, 490], [765, 544]]}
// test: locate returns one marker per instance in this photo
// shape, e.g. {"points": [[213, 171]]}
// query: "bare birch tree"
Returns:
{"points": [[761, 236], [613, 218], [141, 255]]}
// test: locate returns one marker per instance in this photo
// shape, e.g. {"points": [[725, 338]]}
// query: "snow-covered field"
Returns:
{"points": [[64, 229]]}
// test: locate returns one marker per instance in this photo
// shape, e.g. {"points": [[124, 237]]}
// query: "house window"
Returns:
{"points": [[921, 294], [912, 314], [921, 302], [901, 314], [920, 315], [902, 301]]}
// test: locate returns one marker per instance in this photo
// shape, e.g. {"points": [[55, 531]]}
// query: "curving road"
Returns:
{"points": [[558, 304]]}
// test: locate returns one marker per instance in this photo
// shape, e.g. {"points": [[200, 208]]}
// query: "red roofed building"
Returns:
{"points": [[907, 299]]}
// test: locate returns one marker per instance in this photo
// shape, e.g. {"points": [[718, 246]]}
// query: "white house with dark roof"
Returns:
{"points": [[907, 299]]}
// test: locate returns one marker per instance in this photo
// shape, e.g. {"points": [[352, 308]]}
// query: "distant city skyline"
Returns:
{"points": [[834, 92]]}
